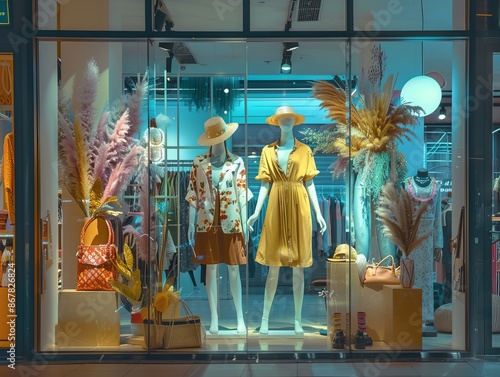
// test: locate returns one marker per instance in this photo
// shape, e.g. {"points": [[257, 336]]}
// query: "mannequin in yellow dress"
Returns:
{"points": [[286, 171]]}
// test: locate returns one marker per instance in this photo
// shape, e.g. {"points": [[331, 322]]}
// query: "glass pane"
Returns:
{"points": [[495, 254], [198, 82], [283, 15], [420, 168], [198, 15], [93, 196], [286, 309], [378, 15], [92, 15]]}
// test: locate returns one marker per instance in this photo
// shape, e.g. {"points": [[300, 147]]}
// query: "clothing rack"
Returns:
{"points": [[6, 234]]}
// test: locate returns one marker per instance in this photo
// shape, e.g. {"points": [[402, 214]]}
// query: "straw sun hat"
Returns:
{"points": [[285, 111], [216, 131], [344, 253]]}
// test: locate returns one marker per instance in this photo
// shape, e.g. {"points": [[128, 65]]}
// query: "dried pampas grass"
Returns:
{"points": [[399, 223]]}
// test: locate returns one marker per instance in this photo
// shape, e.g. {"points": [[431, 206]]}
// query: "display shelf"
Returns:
{"points": [[403, 317]]}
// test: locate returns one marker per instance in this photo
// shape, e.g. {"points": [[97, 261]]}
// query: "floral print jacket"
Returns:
{"points": [[232, 188]]}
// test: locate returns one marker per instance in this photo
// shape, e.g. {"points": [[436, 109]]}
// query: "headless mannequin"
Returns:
{"points": [[286, 144], [422, 177], [217, 160]]}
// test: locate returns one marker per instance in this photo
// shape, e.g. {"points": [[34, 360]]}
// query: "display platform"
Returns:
{"points": [[225, 334], [88, 318], [403, 317], [281, 334]]}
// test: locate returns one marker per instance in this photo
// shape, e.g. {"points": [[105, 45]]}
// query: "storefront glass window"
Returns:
{"points": [[115, 15], [198, 15], [242, 187], [314, 15], [374, 16], [305, 306]]}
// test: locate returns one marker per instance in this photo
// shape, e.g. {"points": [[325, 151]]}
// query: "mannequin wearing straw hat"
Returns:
{"points": [[218, 196], [287, 169]]}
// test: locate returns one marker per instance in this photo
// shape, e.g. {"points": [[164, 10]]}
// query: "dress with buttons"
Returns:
{"points": [[287, 231]]}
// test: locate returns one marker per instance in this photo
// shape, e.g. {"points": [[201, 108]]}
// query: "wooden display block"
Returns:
{"points": [[403, 317], [343, 280], [88, 319], [5, 328]]}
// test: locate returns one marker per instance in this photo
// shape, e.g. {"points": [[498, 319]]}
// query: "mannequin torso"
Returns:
{"points": [[422, 178]]}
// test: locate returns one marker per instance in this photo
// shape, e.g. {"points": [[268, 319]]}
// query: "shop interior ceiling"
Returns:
{"points": [[313, 59]]}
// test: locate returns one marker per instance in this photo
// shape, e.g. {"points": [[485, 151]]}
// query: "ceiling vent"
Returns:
{"points": [[183, 54], [308, 10]]}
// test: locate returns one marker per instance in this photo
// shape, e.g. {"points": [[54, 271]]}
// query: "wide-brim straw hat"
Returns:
{"points": [[344, 253], [216, 131], [285, 111]]}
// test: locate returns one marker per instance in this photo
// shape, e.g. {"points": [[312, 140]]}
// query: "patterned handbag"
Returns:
{"points": [[95, 262]]}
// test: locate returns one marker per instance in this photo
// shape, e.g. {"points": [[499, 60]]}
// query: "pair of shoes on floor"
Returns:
{"points": [[362, 339], [338, 342]]}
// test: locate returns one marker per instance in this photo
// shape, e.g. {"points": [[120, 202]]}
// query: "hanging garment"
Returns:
{"points": [[423, 256], [8, 177], [286, 235], [185, 249]]}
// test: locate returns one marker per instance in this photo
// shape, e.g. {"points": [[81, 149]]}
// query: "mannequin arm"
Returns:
{"points": [[313, 198], [191, 228], [244, 214], [263, 192]]}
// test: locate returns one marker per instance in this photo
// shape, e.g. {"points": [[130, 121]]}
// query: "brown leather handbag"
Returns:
{"points": [[377, 274], [95, 262]]}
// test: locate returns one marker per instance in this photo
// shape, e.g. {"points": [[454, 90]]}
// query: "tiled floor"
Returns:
{"points": [[376, 368]]}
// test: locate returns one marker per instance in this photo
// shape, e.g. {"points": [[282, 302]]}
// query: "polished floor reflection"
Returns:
{"points": [[379, 368]]}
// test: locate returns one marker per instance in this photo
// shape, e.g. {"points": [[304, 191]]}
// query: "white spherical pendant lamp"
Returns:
{"points": [[422, 91]]}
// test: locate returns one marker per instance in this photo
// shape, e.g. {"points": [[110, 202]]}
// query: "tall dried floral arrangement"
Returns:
{"points": [[98, 158], [366, 127], [368, 137], [399, 223]]}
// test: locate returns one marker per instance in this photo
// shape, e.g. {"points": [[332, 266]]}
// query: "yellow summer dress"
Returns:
{"points": [[286, 235]]}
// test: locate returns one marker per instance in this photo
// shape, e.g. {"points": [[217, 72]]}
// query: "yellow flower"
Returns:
{"points": [[161, 302]]}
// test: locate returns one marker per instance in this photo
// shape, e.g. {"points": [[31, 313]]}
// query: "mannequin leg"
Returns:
{"points": [[211, 284], [235, 285], [298, 297], [270, 291]]}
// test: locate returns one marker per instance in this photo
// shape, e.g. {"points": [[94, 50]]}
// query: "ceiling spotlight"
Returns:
{"points": [[168, 64], [442, 113], [290, 46], [286, 65], [166, 46]]}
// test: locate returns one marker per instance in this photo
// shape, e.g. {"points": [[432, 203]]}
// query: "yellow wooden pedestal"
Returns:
{"points": [[88, 319], [403, 317], [5, 328]]}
